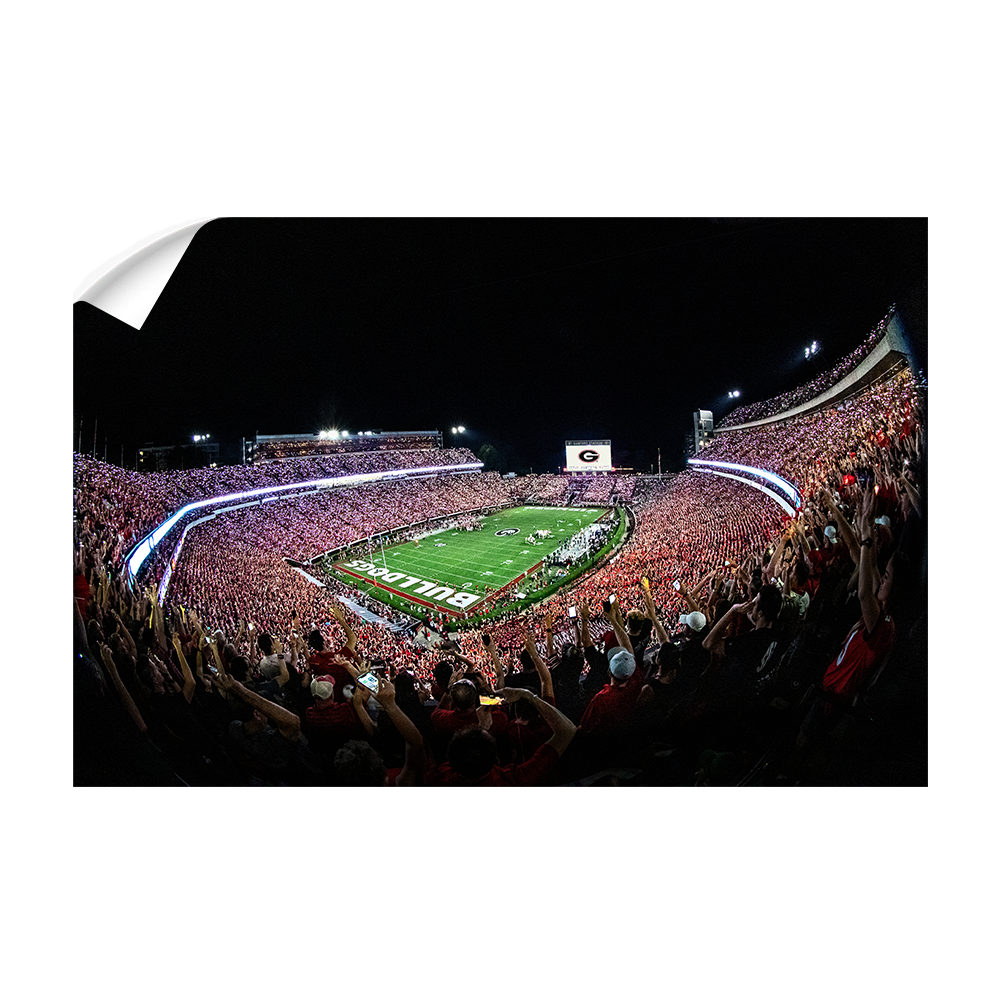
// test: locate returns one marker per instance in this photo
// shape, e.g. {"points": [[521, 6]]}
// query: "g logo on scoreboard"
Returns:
{"points": [[507, 531], [588, 455]]}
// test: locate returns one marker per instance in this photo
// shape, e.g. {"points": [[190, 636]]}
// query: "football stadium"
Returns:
{"points": [[483, 567], [351, 608]]}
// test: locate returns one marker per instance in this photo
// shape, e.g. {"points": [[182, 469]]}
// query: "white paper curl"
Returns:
{"points": [[129, 289]]}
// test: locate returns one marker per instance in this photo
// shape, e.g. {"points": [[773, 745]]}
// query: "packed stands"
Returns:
{"points": [[282, 448], [815, 387], [760, 639], [808, 450], [130, 504]]}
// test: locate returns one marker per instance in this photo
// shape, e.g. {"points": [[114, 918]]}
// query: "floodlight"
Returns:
{"points": [[461, 429]]}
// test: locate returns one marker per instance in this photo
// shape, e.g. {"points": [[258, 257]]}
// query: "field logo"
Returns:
{"points": [[507, 531], [588, 456]]}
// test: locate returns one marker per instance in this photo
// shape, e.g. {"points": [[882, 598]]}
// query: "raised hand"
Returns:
{"points": [[510, 695], [226, 683], [867, 517], [386, 693]]}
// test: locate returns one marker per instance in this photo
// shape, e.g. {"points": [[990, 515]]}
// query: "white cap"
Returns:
{"points": [[621, 662], [321, 688], [696, 620]]}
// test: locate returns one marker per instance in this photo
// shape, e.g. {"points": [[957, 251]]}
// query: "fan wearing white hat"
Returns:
{"points": [[843, 534], [694, 620], [692, 624], [611, 709]]}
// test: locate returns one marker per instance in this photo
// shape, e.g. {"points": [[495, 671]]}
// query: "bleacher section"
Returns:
{"points": [[692, 530]]}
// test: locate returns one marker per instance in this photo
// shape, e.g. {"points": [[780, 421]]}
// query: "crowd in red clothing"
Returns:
{"points": [[808, 450], [608, 682]]}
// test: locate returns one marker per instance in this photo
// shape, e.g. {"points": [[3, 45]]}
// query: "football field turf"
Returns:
{"points": [[455, 570]]}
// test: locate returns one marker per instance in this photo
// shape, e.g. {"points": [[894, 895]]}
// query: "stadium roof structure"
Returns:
{"points": [[890, 352]]}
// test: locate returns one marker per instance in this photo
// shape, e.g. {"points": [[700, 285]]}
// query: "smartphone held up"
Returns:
{"points": [[369, 679]]}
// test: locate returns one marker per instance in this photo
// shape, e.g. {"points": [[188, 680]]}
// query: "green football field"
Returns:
{"points": [[454, 571]]}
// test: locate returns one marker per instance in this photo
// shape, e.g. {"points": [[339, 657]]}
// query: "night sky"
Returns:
{"points": [[526, 331]]}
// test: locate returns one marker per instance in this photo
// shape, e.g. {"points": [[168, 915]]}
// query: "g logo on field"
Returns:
{"points": [[507, 531], [588, 456]]}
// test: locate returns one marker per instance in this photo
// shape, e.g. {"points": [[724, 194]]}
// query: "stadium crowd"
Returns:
{"points": [[133, 503], [275, 448], [810, 390], [732, 624], [806, 449]]}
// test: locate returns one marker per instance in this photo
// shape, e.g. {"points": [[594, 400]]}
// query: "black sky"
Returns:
{"points": [[527, 331]]}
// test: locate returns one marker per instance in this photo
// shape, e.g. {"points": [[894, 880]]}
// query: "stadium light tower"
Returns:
{"points": [[734, 394]]}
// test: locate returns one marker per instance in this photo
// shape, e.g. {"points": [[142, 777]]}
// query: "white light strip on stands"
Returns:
{"points": [[779, 500], [144, 549], [783, 484]]}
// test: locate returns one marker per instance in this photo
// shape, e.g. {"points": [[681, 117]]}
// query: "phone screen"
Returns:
{"points": [[572, 612], [369, 680], [488, 700]]}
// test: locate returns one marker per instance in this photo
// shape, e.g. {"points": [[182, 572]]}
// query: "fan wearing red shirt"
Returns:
{"points": [[871, 639], [328, 723], [610, 709], [464, 695], [472, 753], [325, 662]]}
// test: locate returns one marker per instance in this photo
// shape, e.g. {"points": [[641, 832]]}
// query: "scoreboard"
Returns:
{"points": [[588, 456]]}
